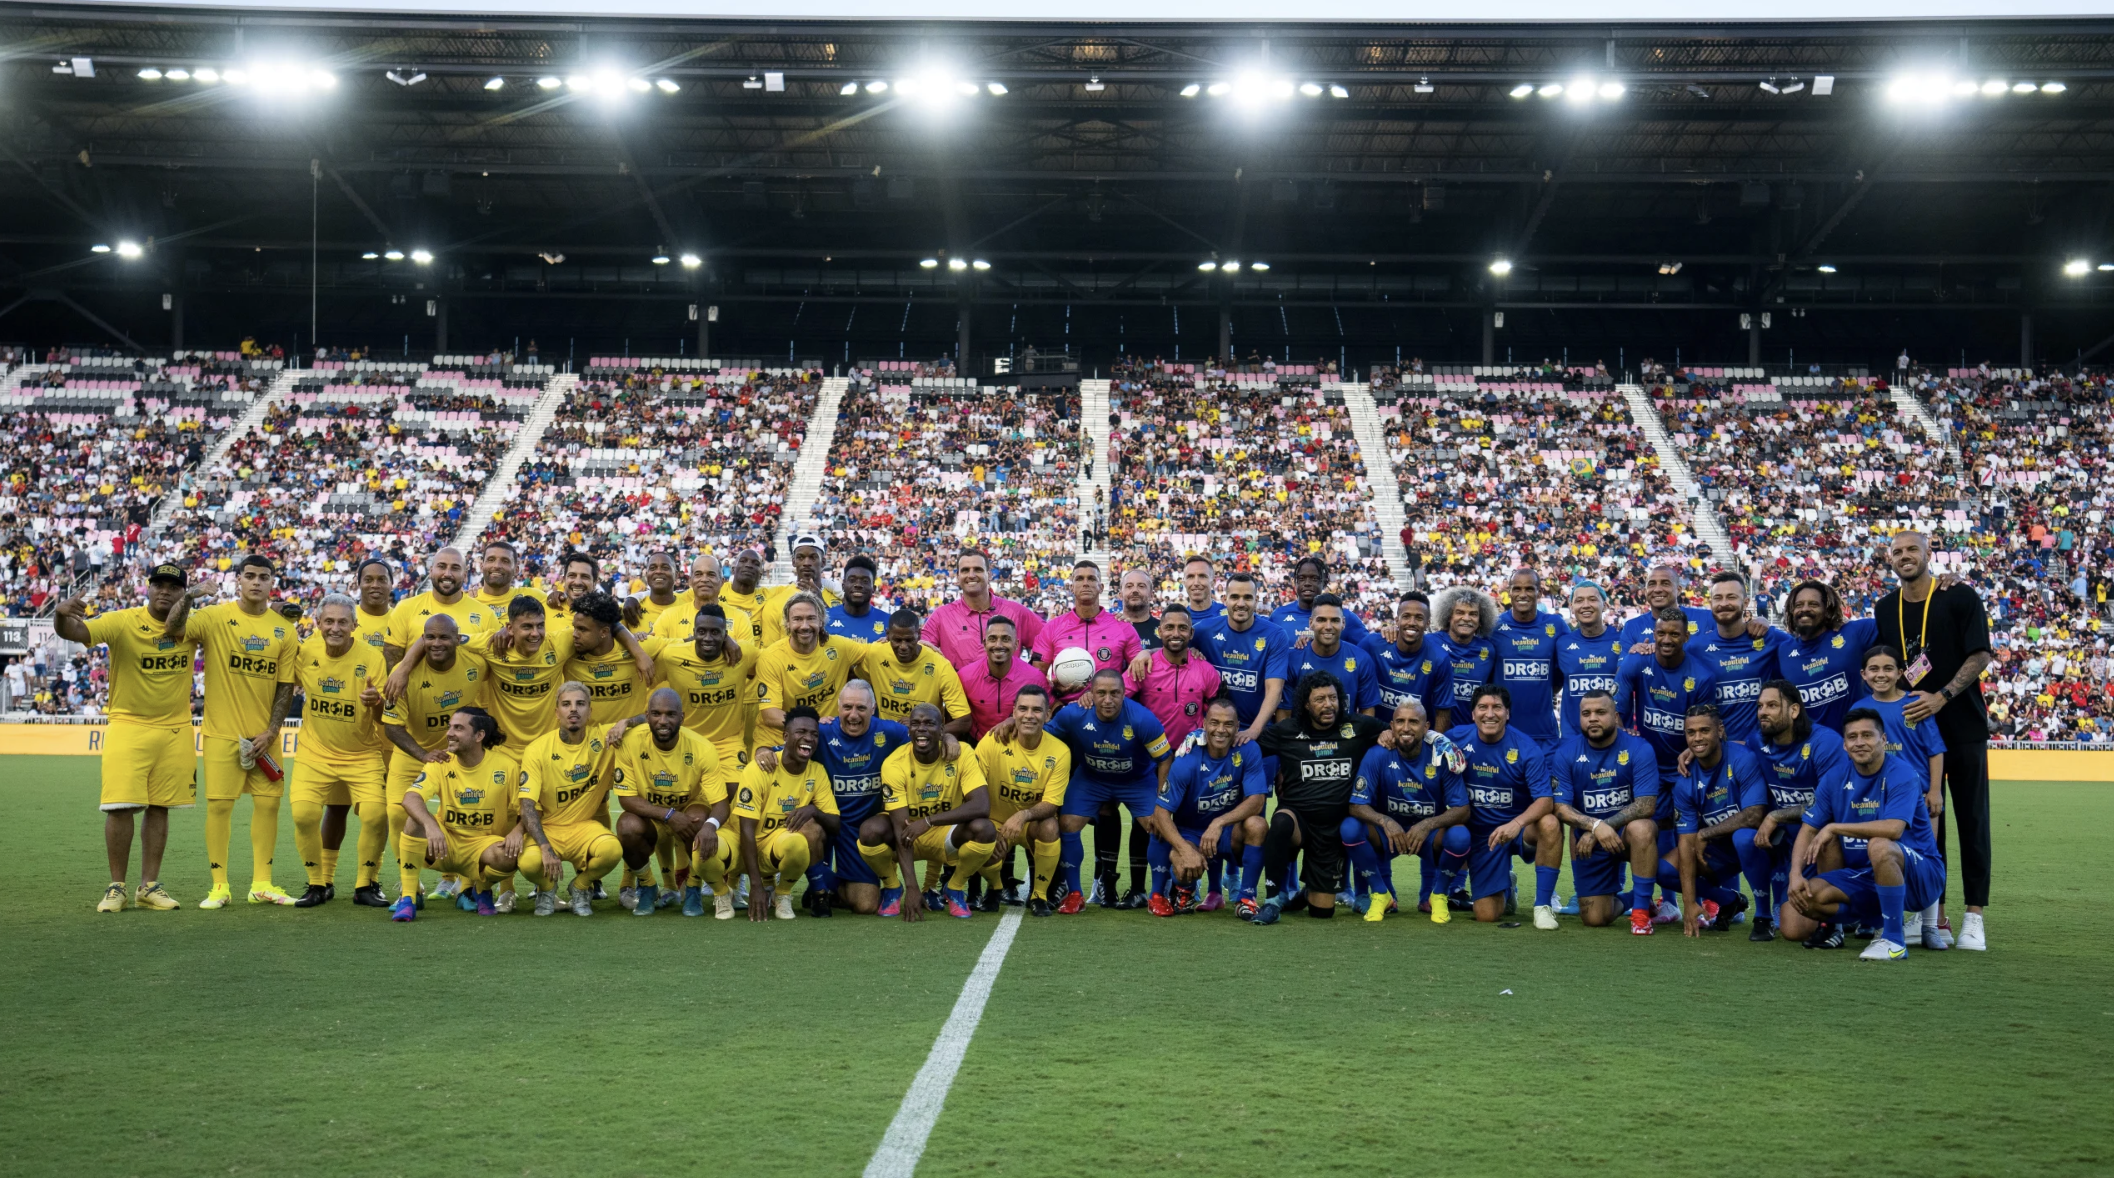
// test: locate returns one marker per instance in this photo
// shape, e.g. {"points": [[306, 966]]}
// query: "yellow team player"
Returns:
{"points": [[706, 584], [669, 784], [807, 578], [711, 675], [251, 653], [934, 809], [525, 660], [420, 696], [498, 566], [660, 589], [905, 672], [606, 659], [1026, 777], [807, 669], [342, 759], [377, 584], [745, 590], [445, 599], [564, 785], [785, 815], [577, 575], [462, 815], [149, 762]]}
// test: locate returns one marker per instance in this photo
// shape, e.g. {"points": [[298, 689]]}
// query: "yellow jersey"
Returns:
{"points": [[150, 673], [771, 798], [522, 691], [432, 696], [568, 782], [612, 679], [337, 730], [786, 679], [650, 611], [408, 620], [687, 775], [247, 658], [679, 623], [715, 695], [370, 630], [498, 602], [751, 607], [771, 617], [1020, 777], [923, 790], [472, 802], [897, 688]]}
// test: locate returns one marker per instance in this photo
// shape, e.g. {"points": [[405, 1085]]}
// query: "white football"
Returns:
{"points": [[1074, 666]]}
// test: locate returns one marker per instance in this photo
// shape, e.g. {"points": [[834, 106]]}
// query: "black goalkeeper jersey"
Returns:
{"points": [[1317, 766]]}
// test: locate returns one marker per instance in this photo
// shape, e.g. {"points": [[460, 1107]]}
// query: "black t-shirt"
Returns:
{"points": [[1958, 626], [1148, 633], [1315, 767]]}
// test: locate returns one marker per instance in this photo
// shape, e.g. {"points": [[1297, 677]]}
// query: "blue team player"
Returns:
{"points": [[1878, 803], [1796, 756], [1510, 811], [1718, 795], [1250, 655], [1662, 589], [1333, 651], [1466, 617], [1823, 653], [1917, 743], [1605, 783], [1210, 808], [1589, 655], [855, 616], [1413, 666], [1741, 652], [1119, 753], [1653, 693], [1409, 800], [1310, 577], [851, 748], [1526, 641]]}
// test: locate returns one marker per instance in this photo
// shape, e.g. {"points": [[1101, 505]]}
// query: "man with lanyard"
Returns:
{"points": [[1210, 808], [994, 682], [1469, 615], [1741, 654], [1662, 588], [1526, 641], [1797, 756], [1134, 594], [1653, 693], [1589, 655], [1411, 668], [855, 616], [1318, 747], [1944, 634], [1823, 653], [1418, 781], [1199, 577], [957, 628], [1605, 784], [1310, 575], [1332, 652], [1718, 794]]}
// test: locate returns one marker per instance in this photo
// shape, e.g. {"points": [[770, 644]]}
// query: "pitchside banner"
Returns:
{"points": [[86, 740], [1377, 12]]}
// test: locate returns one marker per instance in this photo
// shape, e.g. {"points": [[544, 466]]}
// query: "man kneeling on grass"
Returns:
{"points": [[1865, 848]]}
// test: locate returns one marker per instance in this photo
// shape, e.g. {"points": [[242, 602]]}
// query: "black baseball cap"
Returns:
{"points": [[173, 574]]}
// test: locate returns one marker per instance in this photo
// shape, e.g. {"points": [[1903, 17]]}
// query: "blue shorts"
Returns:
{"points": [[1598, 873], [845, 859], [1083, 799], [1720, 864], [1923, 875], [1490, 872], [1225, 848]]}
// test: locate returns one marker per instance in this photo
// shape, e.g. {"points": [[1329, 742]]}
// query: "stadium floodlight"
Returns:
{"points": [[1610, 91], [1424, 86], [1219, 89], [691, 261], [1825, 268], [1501, 267], [1926, 90], [1522, 90], [1993, 87], [206, 74], [1336, 91], [495, 83], [1094, 85], [1192, 89], [150, 74], [928, 263], [1258, 266], [1207, 266], [1581, 90], [394, 255], [1769, 87], [957, 264], [2053, 87], [2023, 87], [752, 82], [877, 86], [399, 78], [639, 85], [997, 89], [1550, 89], [2075, 267], [1229, 267], [979, 265], [129, 250], [179, 75], [848, 88], [1310, 89], [661, 259], [423, 257], [2106, 267], [549, 83], [666, 85], [579, 83], [99, 248], [369, 256]]}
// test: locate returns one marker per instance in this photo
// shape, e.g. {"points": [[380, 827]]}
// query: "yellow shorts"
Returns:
{"points": [[227, 780], [338, 785], [574, 841], [403, 772], [145, 765], [733, 757], [464, 856], [772, 848], [932, 846]]}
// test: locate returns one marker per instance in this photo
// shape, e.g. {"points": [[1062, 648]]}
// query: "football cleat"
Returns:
{"points": [[1882, 949], [330, 892], [404, 910], [1641, 922], [891, 902], [1865, 932], [1132, 899], [1828, 936], [1566, 907], [1184, 898], [1159, 905], [1667, 912], [1011, 897], [466, 900], [990, 901], [1460, 901], [1037, 906], [546, 902], [644, 900], [449, 888], [1545, 917], [782, 907], [1348, 900], [151, 895], [741, 894], [1723, 919], [1441, 910], [315, 895], [1911, 927], [1271, 909], [1376, 906], [958, 904], [1710, 914], [818, 903], [503, 903], [628, 898], [1212, 902], [595, 892], [370, 897], [1246, 908], [268, 893], [722, 906], [1104, 894], [935, 901], [1761, 930], [693, 901], [1074, 903], [583, 902], [1972, 936], [486, 906], [670, 896], [113, 899]]}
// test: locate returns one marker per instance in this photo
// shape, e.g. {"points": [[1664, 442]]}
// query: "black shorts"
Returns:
{"points": [[1322, 857]]}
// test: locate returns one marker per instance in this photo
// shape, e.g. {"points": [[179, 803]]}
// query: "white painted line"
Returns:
{"points": [[904, 1142]]}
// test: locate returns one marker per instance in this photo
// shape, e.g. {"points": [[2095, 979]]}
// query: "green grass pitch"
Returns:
{"points": [[274, 1041]]}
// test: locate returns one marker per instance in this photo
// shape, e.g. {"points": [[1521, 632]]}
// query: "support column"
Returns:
{"points": [[965, 314], [1225, 333], [1489, 334], [704, 332], [176, 320], [2025, 339], [1754, 337], [440, 324]]}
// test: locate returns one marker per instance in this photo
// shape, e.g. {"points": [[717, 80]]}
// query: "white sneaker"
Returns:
{"points": [[1934, 935], [628, 899], [1882, 949], [448, 889], [546, 902], [1971, 936], [722, 906], [783, 907], [504, 903], [1545, 916], [1667, 913], [583, 901], [1911, 927]]}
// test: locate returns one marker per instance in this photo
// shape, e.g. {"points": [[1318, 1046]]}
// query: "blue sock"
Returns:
{"points": [[1641, 894], [1756, 864], [1161, 859], [1072, 850], [1364, 863], [1891, 902], [1217, 868], [820, 878], [1544, 886], [1251, 871]]}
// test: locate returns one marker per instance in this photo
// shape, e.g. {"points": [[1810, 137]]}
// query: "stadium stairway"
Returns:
{"points": [[1380, 478], [252, 417], [1708, 525], [1093, 491], [12, 382], [501, 484], [1913, 409], [808, 470]]}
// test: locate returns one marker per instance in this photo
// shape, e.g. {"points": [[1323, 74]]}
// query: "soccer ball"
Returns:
{"points": [[1074, 666]]}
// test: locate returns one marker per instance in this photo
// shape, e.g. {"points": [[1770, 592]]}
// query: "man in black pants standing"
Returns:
{"points": [[1318, 749], [1944, 635]]}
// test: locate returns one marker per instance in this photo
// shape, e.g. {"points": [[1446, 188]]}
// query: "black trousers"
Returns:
{"points": [[1967, 807]]}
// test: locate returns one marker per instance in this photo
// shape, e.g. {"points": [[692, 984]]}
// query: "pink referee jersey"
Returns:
{"points": [[1112, 641], [1176, 694], [991, 700], [958, 631]]}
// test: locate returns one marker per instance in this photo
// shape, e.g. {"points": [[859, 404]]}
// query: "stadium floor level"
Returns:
{"points": [[333, 1042]]}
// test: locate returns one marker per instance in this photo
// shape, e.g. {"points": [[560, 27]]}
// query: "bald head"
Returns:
{"points": [[445, 570], [1909, 554], [664, 715], [441, 637]]}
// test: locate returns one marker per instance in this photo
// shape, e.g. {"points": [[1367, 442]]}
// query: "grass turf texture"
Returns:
{"points": [[331, 1041]]}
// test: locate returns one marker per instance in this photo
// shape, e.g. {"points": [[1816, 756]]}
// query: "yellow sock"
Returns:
{"points": [[883, 862], [934, 870], [664, 852], [410, 854], [1046, 857], [220, 829], [264, 838], [308, 840], [712, 869], [531, 868], [330, 866], [969, 859], [395, 836], [631, 878], [374, 839]]}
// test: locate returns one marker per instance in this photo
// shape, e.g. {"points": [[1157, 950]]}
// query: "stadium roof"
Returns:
{"points": [[1826, 173]]}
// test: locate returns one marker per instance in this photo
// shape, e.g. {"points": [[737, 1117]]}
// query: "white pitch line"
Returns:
{"points": [[904, 1143]]}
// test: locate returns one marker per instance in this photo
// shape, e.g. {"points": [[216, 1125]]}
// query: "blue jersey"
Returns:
{"points": [[1914, 741], [1741, 665], [1792, 770], [1895, 792], [1409, 789], [1503, 777], [1600, 783], [1639, 628], [1653, 701], [1423, 675], [1200, 788], [1244, 658], [1473, 662], [1351, 665], [854, 764], [1291, 617], [1197, 617], [1586, 664], [1706, 797], [872, 627], [1526, 665], [1826, 669], [1122, 751]]}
